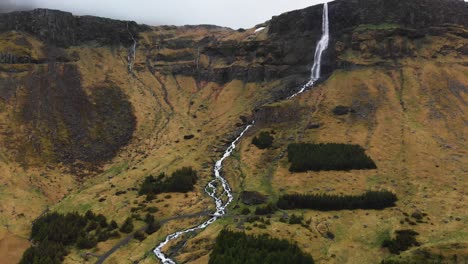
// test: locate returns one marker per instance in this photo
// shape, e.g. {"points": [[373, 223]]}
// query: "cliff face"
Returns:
{"points": [[287, 49], [345, 14], [65, 30], [70, 106], [299, 30], [377, 32]]}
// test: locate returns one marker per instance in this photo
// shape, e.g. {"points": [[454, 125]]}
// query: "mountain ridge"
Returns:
{"points": [[185, 92]]}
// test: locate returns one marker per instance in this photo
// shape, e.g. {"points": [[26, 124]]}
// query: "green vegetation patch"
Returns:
{"points": [[54, 233], [403, 240], [266, 210], [181, 180], [263, 141], [233, 247], [327, 157], [326, 202]]}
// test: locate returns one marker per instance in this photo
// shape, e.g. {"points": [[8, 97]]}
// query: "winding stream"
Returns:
{"points": [[210, 189]]}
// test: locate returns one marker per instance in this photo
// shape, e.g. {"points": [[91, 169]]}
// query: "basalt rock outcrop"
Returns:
{"points": [[287, 49], [64, 30], [282, 53], [298, 30]]}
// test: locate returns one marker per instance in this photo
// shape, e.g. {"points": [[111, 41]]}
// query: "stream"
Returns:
{"points": [[211, 189]]}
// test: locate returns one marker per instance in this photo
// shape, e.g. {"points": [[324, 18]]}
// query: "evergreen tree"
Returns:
{"points": [[53, 233], [326, 202], [113, 225], [127, 226], [403, 241], [326, 157], [239, 248], [182, 180], [263, 141]]}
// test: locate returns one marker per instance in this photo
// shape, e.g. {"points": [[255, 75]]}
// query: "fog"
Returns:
{"points": [[230, 13]]}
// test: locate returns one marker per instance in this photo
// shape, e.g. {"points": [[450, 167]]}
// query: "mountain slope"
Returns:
{"points": [[400, 66]]}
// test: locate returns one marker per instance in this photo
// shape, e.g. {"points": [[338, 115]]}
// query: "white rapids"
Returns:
{"points": [[210, 189]]}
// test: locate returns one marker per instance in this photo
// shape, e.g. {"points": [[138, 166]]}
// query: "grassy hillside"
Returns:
{"points": [[409, 116]]}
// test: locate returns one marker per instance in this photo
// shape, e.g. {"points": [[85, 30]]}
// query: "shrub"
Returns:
{"points": [[252, 219], [152, 209], [153, 225], [326, 202], [103, 236], [127, 226], [403, 240], [114, 234], [343, 110], [295, 220], [139, 236], [182, 180], [267, 209], [113, 225], [85, 242], [245, 211], [326, 157], [263, 141]]}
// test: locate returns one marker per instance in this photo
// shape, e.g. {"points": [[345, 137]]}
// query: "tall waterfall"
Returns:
{"points": [[322, 45], [210, 189]]}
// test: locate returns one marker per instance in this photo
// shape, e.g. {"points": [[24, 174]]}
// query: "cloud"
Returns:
{"points": [[16, 5], [231, 13]]}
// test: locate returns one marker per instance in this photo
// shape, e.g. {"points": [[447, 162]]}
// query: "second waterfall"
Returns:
{"points": [[210, 189]]}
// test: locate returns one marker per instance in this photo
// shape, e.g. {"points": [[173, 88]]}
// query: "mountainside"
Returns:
{"points": [[91, 106]]}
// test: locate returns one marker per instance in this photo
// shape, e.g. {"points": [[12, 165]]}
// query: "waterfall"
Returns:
{"points": [[322, 45], [131, 57], [210, 189]]}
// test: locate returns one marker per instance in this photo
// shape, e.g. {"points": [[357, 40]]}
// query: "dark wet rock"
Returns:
{"points": [[253, 198], [188, 137], [64, 30], [314, 126], [342, 110], [298, 31], [292, 37], [417, 215]]}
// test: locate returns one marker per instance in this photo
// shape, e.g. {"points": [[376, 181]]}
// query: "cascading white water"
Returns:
{"points": [[131, 57], [322, 45], [210, 189]]}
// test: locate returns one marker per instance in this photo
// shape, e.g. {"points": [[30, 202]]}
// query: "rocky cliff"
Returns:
{"points": [[71, 108], [286, 47], [65, 30]]}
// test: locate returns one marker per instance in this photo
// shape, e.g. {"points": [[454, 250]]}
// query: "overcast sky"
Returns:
{"points": [[230, 13]]}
